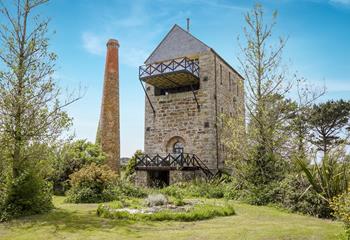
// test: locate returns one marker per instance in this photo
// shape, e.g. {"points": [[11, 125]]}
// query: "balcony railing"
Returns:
{"points": [[172, 66], [182, 161]]}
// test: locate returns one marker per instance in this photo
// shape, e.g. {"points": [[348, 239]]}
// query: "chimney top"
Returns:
{"points": [[188, 24], [112, 43]]}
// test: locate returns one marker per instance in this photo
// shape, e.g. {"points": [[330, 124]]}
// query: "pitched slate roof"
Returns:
{"points": [[177, 43]]}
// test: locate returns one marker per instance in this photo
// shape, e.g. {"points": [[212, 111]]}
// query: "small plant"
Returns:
{"points": [[156, 200]]}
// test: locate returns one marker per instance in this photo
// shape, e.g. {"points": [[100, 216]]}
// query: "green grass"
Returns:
{"points": [[79, 221], [200, 211]]}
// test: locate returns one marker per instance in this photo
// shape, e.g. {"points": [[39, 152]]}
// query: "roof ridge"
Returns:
{"points": [[175, 26]]}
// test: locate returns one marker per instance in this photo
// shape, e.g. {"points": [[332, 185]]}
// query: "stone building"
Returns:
{"points": [[187, 87]]}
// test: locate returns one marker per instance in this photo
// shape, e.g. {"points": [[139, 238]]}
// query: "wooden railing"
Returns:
{"points": [[177, 161], [175, 65]]}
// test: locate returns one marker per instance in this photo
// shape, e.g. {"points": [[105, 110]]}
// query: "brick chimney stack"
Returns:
{"points": [[108, 134]]}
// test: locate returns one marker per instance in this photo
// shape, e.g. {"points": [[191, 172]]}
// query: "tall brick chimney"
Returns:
{"points": [[108, 134]]}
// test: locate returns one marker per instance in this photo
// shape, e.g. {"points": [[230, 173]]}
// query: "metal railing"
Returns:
{"points": [[177, 161], [175, 65]]}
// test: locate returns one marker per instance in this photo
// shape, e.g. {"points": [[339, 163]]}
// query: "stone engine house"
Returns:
{"points": [[188, 86]]}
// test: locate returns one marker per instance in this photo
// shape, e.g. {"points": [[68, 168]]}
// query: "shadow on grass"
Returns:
{"points": [[68, 220]]}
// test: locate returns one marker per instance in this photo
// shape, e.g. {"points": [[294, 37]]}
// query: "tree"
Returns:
{"points": [[31, 111], [328, 121], [265, 103]]}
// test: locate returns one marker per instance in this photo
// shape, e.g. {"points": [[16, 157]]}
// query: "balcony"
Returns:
{"points": [[175, 73], [181, 161]]}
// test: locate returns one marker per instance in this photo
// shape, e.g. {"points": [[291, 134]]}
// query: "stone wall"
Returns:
{"points": [[230, 99], [141, 178], [177, 114], [181, 176]]}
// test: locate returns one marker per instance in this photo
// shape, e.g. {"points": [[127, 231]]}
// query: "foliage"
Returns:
{"points": [[126, 189], [70, 158], [197, 189], [92, 183], [259, 162], [328, 178], [130, 167], [341, 207], [25, 195], [198, 212], [32, 115], [294, 194], [156, 200], [327, 120]]}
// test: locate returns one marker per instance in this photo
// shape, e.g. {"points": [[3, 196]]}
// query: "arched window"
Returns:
{"points": [[178, 148]]}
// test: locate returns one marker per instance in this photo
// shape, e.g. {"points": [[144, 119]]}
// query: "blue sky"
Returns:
{"points": [[318, 46]]}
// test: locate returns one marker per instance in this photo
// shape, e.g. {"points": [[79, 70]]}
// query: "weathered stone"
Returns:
{"points": [[108, 134], [177, 116]]}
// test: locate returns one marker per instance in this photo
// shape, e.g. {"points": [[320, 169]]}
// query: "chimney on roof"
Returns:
{"points": [[188, 24]]}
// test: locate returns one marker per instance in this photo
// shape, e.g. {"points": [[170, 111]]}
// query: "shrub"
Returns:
{"points": [[156, 200], [124, 188], [92, 183], [198, 212], [26, 195], [293, 194], [330, 177], [130, 167], [71, 158], [341, 207], [196, 189]]}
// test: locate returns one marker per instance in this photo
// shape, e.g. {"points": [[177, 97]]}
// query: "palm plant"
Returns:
{"points": [[330, 177]]}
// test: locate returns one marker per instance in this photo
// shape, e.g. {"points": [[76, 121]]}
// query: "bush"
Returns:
{"points": [[196, 189], [130, 167], [92, 183], [126, 189], [198, 212], [293, 193], [341, 207], [71, 158], [156, 200], [26, 195]]}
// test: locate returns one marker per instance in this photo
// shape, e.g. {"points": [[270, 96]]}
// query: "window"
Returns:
{"points": [[220, 74], [166, 91], [229, 81], [178, 148]]}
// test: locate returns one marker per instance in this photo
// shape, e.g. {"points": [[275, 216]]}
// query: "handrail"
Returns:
{"points": [[174, 65], [179, 161]]}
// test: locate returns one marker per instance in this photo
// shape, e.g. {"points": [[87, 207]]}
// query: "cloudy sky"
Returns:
{"points": [[318, 47]]}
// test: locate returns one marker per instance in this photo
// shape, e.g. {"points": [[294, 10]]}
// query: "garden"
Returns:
{"points": [[287, 167]]}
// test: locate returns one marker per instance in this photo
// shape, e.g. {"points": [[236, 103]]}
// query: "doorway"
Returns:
{"points": [[158, 179]]}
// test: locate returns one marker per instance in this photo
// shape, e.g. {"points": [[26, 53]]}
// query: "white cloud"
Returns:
{"points": [[93, 43], [132, 57]]}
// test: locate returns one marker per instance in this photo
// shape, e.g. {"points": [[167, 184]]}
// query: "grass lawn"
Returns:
{"points": [[79, 221]]}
